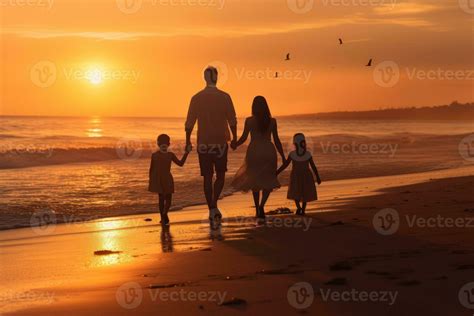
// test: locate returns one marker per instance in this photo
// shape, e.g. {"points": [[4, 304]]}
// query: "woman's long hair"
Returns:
{"points": [[261, 112]]}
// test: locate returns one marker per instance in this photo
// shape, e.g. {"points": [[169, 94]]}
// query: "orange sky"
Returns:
{"points": [[84, 57]]}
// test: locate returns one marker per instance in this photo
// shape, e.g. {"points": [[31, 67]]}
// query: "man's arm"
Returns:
{"points": [[232, 119], [245, 134], [190, 122]]}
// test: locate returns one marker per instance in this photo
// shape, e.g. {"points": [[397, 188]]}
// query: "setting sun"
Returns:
{"points": [[95, 76]]}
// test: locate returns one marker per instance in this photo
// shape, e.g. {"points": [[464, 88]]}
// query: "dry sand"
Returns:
{"points": [[336, 249]]}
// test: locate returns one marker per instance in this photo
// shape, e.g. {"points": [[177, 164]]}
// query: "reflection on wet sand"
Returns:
{"points": [[166, 239], [109, 240], [215, 231]]}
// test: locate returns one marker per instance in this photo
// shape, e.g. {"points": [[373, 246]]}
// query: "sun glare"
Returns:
{"points": [[95, 76]]}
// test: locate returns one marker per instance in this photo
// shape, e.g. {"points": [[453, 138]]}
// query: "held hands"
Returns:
{"points": [[318, 180], [233, 144], [188, 148]]}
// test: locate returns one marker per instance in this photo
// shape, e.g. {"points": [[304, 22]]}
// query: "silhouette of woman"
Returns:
{"points": [[258, 173]]}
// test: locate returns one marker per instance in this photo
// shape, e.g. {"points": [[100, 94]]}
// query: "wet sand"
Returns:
{"points": [[194, 268]]}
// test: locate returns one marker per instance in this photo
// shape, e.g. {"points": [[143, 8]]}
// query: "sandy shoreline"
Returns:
{"points": [[336, 249]]}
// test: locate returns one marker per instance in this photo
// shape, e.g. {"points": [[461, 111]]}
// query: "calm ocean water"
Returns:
{"points": [[86, 168]]}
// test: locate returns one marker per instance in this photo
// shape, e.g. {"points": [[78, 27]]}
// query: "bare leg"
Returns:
{"points": [[298, 207], [161, 205], [218, 186], [256, 201], [303, 209], [265, 195], [167, 206], [208, 190]]}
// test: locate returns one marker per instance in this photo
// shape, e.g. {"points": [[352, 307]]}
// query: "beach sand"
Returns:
{"points": [[192, 268]]}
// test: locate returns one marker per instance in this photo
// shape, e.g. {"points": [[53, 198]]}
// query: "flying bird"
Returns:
{"points": [[287, 56], [369, 64], [340, 41]]}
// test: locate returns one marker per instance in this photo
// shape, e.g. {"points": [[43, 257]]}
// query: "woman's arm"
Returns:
{"points": [[315, 170], [180, 162], [245, 134], [285, 164], [276, 140], [152, 167]]}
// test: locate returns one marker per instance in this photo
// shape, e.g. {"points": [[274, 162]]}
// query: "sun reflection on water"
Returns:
{"points": [[95, 130]]}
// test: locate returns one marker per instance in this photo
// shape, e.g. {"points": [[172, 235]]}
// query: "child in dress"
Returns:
{"points": [[160, 178], [302, 188]]}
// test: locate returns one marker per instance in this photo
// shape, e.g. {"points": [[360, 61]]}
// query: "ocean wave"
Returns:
{"points": [[18, 156], [42, 156], [4, 136]]}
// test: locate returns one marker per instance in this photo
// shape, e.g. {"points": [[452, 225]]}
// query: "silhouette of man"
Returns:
{"points": [[214, 111]]}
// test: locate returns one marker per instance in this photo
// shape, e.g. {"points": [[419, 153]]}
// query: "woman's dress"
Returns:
{"points": [[259, 169]]}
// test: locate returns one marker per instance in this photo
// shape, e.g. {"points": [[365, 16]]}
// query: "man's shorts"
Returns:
{"points": [[212, 158]]}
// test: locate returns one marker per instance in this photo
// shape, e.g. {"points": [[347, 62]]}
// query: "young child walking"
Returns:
{"points": [[160, 177], [302, 188]]}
